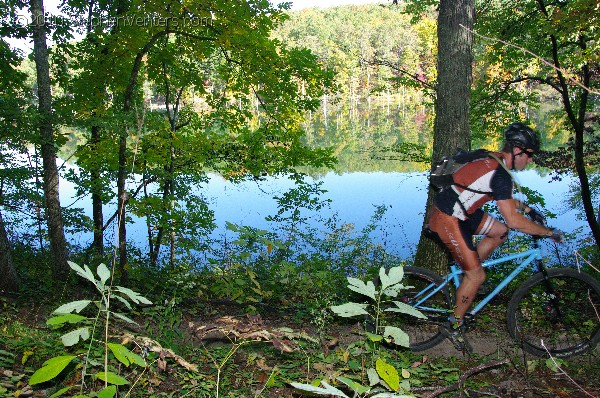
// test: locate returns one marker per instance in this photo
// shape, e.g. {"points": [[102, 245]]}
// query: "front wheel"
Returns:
{"points": [[421, 285], [557, 315]]}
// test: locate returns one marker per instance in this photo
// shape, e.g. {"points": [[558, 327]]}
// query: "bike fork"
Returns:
{"points": [[552, 308]]}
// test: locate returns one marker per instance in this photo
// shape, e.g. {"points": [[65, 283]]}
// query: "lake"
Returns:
{"points": [[353, 196]]}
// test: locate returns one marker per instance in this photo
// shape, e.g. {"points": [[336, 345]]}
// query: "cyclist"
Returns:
{"points": [[457, 216]]}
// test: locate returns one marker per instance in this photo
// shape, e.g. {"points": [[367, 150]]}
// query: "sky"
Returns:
{"points": [[300, 4]]}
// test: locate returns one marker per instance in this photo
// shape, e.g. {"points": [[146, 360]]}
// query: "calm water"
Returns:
{"points": [[353, 197], [356, 132]]}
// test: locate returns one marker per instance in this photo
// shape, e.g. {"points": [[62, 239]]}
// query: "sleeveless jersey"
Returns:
{"points": [[481, 178]]}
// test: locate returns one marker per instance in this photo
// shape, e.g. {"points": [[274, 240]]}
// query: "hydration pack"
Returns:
{"points": [[442, 172]]}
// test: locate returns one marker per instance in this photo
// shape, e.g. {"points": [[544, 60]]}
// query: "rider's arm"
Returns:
{"points": [[516, 220]]}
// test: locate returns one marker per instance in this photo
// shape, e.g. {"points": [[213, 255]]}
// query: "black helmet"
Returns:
{"points": [[522, 136]]}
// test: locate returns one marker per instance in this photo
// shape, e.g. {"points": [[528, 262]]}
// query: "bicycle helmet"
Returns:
{"points": [[522, 136]]}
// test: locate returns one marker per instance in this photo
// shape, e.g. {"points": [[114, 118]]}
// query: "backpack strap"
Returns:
{"points": [[512, 177], [490, 154], [507, 170]]}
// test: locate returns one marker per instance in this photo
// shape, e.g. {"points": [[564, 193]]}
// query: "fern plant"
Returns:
{"points": [[84, 329]]}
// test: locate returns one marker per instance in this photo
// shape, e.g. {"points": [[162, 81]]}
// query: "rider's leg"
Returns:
{"points": [[466, 292], [458, 237], [495, 234]]}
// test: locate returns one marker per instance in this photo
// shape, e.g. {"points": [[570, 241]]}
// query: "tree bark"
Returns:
{"points": [[453, 93], [9, 280], [58, 246], [97, 214]]}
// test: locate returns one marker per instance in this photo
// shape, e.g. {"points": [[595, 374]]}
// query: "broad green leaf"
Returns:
{"points": [[356, 387], [76, 306], [390, 395], [399, 336], [103, 273], [393, 276], [406, 309], [121, 299], [108, 392], [50, 369], [60, 320], [135, 297], [124, 317], [388, 373], [373, 377], [325, 390], [366, 289], [72, 338], [374, 337], [84, 273], [112, 378], [350, 309], [120, 352], [125, 356], [60, 392]]}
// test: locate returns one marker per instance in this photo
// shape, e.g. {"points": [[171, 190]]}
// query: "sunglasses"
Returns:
{"points": [[528, 153]]}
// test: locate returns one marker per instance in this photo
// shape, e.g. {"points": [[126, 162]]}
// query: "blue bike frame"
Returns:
{"points": [[528, 257]]}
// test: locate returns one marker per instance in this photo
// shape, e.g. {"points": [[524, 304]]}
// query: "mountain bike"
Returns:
{"points": [[554, 312]]}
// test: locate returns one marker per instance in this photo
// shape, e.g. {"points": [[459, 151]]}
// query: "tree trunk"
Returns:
{"points": [[97, 215], [121, 201], [58, 246], [9, 281], [451, 128]]}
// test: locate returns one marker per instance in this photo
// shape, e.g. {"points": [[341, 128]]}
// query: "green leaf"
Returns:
{"points": [[393, 276], [135, 297], [112, 378], [84, 273], [399, 336], [76, 306], [50, 369], [103, 273], [406, 309], [326, 390], [121, 299], [125, 356], [60, 392], [373, 377], [108, 392], [367, 289], [350, 309], [374, 337], [72, 338], [356, 387], [60, 320], [124, 317], [388, 373]]}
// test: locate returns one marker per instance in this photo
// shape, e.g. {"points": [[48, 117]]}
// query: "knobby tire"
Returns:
{"points": [[567, 325], [423, 333]]}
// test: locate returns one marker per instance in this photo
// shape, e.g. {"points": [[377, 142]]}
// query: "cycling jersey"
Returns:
{"points": [[457, 214], [477, 183]]}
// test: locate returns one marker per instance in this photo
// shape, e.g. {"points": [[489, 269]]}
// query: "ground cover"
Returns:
{"points": [[205, 348]]}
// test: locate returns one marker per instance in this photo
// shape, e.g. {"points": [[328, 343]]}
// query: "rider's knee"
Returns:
{"points": [[477, 275], [504, 233]]}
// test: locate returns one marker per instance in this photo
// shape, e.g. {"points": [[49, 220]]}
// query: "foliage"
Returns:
{"points": [[69, 314], [380, 299]]}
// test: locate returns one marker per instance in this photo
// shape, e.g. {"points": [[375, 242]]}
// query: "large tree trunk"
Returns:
{"points": [[451, 129], [9, 281], [58, 246], [97, 214]]}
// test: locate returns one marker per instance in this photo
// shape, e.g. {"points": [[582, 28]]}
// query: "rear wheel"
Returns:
{"points": [[558, 317], [423, 333]]}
